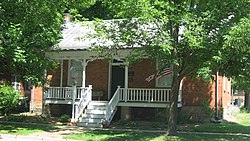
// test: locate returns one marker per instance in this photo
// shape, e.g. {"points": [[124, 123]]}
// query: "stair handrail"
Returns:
{"points": [[86, 97], [111, 106]]}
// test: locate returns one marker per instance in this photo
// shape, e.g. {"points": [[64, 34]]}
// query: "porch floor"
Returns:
{"points": [[121, 103]]}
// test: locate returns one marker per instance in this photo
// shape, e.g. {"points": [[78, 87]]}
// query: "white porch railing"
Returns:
{"points": [[63, 93], [111, 107], [86, 97], [144, 95]]}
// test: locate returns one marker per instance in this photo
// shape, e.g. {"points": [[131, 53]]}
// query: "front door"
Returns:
{"points": [[117, 78]]}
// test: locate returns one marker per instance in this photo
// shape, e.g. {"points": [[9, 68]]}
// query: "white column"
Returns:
{"points": [[126, 77], [73, 102], [61, 79], [126, 82], [84, 64], [109, 80]]}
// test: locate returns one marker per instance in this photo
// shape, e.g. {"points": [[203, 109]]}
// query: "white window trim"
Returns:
{"points": [[16, 85], [157, 79]]}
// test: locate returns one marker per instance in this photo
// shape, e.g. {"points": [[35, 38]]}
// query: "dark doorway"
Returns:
{"points": [[117, 78]]}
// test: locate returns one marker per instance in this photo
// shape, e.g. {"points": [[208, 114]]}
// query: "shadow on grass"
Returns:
{"points": [[24, 129], [100, 135], [224, 127]]}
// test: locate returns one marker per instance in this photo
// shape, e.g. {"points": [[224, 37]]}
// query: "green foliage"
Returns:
{"points": [[29, 29], [21, 118], [237, 44], [244, 110], [206, 109], [64, 118], [9, 99], [189, 35], [183, 117]]}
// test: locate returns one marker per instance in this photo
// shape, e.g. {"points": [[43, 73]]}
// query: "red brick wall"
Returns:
{"points": [[196, 91], [226, 93], [38, 96], [54, 77], [139, 72], [65, 73], [97, 75]]}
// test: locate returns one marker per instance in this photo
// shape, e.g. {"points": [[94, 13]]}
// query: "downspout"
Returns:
{"points": [[32, 98], [216, 117], [43, 91]]}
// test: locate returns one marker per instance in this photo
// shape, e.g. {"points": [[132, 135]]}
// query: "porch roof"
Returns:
{"points": [[74, 37], [77, 36]]}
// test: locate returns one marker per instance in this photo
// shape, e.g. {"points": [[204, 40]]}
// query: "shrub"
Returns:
{"points": [[64, 118], [9, 99], [244, 110], [206, 109], [14, 118], [183, 117]]}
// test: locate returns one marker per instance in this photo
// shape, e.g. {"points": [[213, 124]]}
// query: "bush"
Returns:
{"points": [[244, 110], [14, 118], [183, 117], [64, 118], [206, 109], [9, 99]]}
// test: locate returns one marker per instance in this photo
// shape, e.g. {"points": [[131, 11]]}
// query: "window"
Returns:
{"points": [[164, 81], [79, 70], [1, 79], [16, 82]]}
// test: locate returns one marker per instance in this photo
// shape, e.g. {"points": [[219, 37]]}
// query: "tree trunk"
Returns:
{"points": [[247, 100], [172, 121]]}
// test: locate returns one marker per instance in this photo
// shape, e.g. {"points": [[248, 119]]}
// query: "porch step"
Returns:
{"points": [[94, 114], [104, 103]]}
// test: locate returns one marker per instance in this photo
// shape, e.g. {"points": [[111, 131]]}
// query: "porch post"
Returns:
{"points": [[126, 77], [61, 78], [126, 82], [84, 64], [73, 102]]}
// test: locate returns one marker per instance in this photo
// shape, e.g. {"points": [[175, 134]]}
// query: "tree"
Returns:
{"points": [[29, 28], [188, 35], [237, 44]]}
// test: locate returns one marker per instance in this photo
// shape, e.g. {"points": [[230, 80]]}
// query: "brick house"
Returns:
{"points": [[94, 91]]}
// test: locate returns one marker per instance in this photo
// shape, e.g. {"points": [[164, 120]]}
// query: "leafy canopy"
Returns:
{"points": [[187, 34], [29, 28]]}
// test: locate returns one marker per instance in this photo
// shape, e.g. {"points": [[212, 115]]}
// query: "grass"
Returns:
{"points": [[23, 129], [242, 126], [243, 118], [102, 135]]}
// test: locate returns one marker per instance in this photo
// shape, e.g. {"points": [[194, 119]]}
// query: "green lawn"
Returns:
{"points": [[244, 119], [242, 126], [101, 135], [23, 129]]}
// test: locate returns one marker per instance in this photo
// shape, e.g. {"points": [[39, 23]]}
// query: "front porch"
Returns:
{"points": [[143, 97], [85, 111]]}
